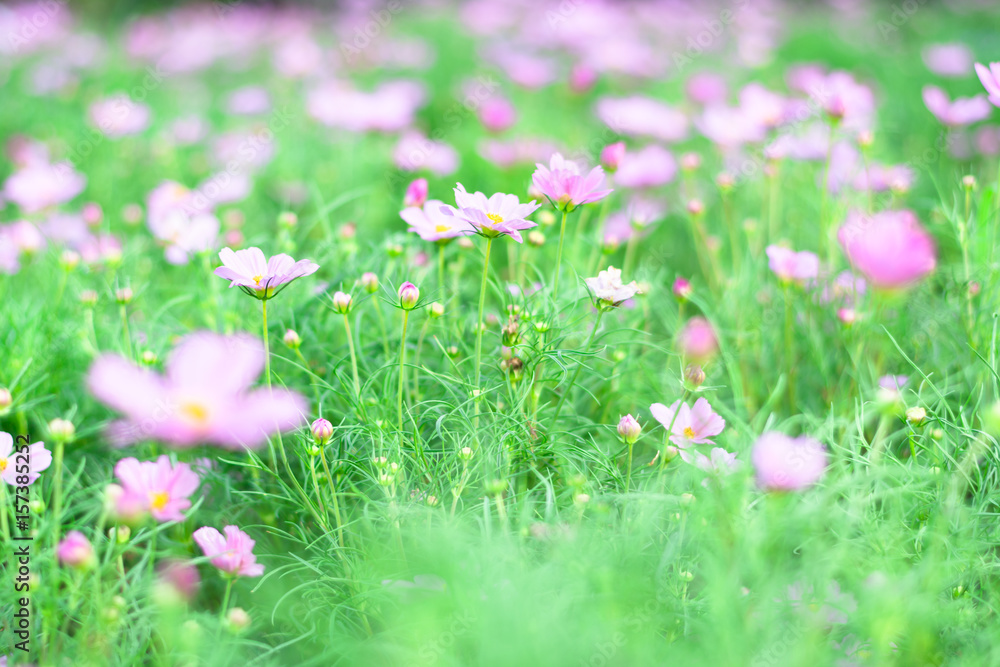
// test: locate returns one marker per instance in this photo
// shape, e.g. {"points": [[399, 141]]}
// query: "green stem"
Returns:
{"points": [[789, 352], [402, 371], [267, 347], [354, 358], [628, 467], [479, 325], [562, 236], [441, 283], [824, 195], [576, 374], [126, 336], [57, 468], [381, 324], [225, 598], [4, 526]]}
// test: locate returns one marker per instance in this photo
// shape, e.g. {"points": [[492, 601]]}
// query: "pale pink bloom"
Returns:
{"points": [[159, 487], [188, 130], [783, 463], [609, 290], [119, 116], [582, 78], [893, 382], [565, 186], [525, 69], [416, 193], [204, 397], [954, 60], [791, 266], [259, 276], [697, 339], [805, 77], [688, 426], [497, 114], [39, 186], [890, 248], [434, 225], [37, 458], [24, 151], [960, 112], [516, 151], [499, 214], [75, 550], [880, 178], [233, 554], [10, 254], [707, 89], [811, 143], [389, 108], [844, 98], [221, 188], [762, 106], [181, 576], [988, 139], [248, 101], [990, 79], [612, 154], [26, 237], [175, 218], [297, 57], [729, 127], [244, 151], [100, 249], [415, 152], [647, 167], [643, 116], [720, 463]]}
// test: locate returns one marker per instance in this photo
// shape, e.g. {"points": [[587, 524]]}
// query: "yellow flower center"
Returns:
{"points": [[3, 464], [495, 217], [194, 412], [441, 228], [158, 500], [257, 279], [688, 432]]}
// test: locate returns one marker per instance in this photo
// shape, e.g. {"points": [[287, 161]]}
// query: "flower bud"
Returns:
{"points": [[725, 181], [969, 182], [694, 376], [847, 316], [62, 430], [291, 339], [437, 309], [697, 339], [342, 302], [416, 193], [865, 138], [5, 400], [452, 351], [132, 214], [347, 231], [148, 358], [92, 214], [369, 281], [916, 416], [394, 250], [695, 207], [690, 161], [669, 453], [682, 289], [287, 219], [408, 296], [629, 429], [322, 431], [465, 453], [76, 551], [536, 239], [69, 260], [124, 295], [237, 619], [88, 298], [612, 155]]}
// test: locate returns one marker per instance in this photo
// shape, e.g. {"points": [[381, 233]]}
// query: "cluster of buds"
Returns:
{"points": [[385, 470], [511, 331]]}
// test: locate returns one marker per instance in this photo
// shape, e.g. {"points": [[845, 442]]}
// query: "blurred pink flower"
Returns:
{"points": [[75, 550], [497, 114], [434, 225], [415, 152], [248, 101], [783, 463], [879, 178], [697, 339], [642, 116], [890, 248], [389, 108], [38, 186], [416, 193], [688, 426], [258, 276], [204, 398], [119, 116], [565, 186], [720, 463], [953, 60], [762, 106], [582, 78], [729, 127], [647, 167], [707, 89], [158, 487], [175, 217], [990, 79], [181, 576], [39, 459], [958, 113], [500, 214], [612, 154], [791, 266], [233, 554], [843, 98]]}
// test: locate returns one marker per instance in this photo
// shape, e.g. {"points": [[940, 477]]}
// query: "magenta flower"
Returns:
{"points": [[205, 396], [432, 224], [890, 248], [500, 214], [37, 459], [416, 193], [612, 154], [159, 487], [75, 550], [952, 60], [565, 186], [991, 81], [689, 426], [38, 186], [258, 276], [233, 554], [497, 114], [697, 340], [787, 464], [960, 112], [648, 167], [791, 266]]}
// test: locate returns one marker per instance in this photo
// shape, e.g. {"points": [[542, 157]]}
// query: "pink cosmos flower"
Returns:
{"points": [[75, 550], [37, 457], [500, 214], [119, 116], [434, 225], [258, 276], [893, 382], [721, 462], [205, 396], [608, 290], [842, 97], [791, 266], [159, 487], [39, 186], [787, 464], [692, 425], [890, 248], [990, 79], [174, 217], [497, 114], [180, 576], [958, 113], [415, 152], [233, 554], [706, 88], [612, 154], [565, 186], [248, 101], [697, 340], [389, 108], [729, 127], [416, 193], [762, 106], [643, 116], [647, 167], [952, 60]]}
